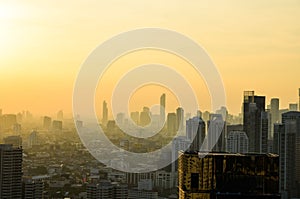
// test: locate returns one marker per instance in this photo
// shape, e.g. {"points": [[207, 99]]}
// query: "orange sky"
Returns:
{"points": [[255, 45]]}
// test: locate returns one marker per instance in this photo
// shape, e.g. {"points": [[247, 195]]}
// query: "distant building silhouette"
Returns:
{"points": [[57, 125], [237, 142], [253, 107], [104, 113], [163, 108], [145, 117], [195, 133], [216, 133], [172, 123], [180, 119], [47, 122]]}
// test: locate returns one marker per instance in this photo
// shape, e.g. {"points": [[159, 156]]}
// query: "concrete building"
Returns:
{"points": [[228, 176], [11, 171], [237, 142]]}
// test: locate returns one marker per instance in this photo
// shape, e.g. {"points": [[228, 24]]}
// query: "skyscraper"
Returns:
{"points": [[237, 142], [47, 122], [264, 131], [171, 123], [195, 133], [289, 153], [104, 113], [228, 176], [11, 171], [275, 110], [216, 133], [145, 118], [180, 119], [253, 106], [163, 108]]}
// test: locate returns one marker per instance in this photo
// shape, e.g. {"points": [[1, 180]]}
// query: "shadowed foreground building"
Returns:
{"points": [[230, 176], [10, 171]]}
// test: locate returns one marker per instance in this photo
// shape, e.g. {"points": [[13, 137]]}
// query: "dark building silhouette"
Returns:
{"points": [[11, 171], [195, 133], [289, 153], [253, 107], [145, 117], [47, 122], [104, 113], [228, 176]]}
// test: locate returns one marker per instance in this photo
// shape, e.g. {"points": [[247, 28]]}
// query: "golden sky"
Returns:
{"points": [[255, 45]]}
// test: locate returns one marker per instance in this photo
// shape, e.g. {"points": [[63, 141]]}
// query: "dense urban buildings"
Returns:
{"points": [[10, 171], [227, 175]]}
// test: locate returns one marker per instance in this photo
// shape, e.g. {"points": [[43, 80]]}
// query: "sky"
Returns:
{"points": [[254, 44]]}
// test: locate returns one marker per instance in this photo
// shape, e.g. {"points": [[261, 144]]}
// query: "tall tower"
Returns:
{"points": [[180, 119], [274, 112], [216, 133], [104, 113], [162, 108], [289, 153], [11, 171], [195, 133], [253, 106]]}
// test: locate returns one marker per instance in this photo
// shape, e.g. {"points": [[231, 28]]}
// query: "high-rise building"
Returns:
{"points": [[264, 131], [216, 133], [104, 113], [171, 123], [178, 144], [163, 108], [289, 153], [228, 176], [33, 139], [57, 125], [195, 133], [278, 130], [253, 106], [237, 142], [180, 119], [145, 118], [11, 171], [47, 122], [275, 111]]}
